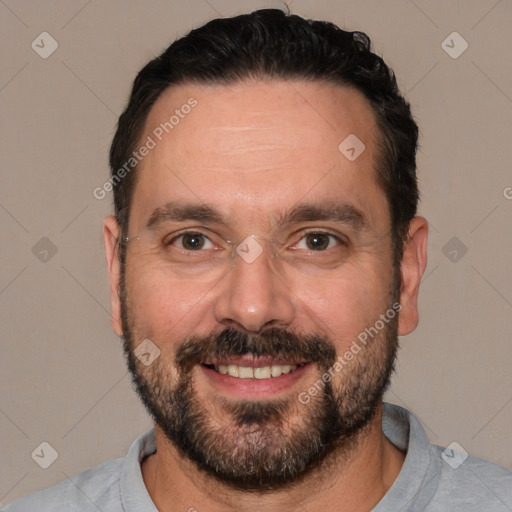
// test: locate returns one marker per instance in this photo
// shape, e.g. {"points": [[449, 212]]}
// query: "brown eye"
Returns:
{"points": [[192, 242], [317, 241]]}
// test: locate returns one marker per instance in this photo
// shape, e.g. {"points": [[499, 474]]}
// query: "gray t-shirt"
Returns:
{"points": [[429, 481]]}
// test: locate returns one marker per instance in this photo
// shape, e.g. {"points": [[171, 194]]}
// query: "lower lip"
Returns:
{"points": [[256, 389]]}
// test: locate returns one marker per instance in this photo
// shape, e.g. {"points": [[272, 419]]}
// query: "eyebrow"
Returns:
{"points": [[332, 211], [180, 212]]}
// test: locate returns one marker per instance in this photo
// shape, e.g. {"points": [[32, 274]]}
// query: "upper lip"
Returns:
{"points": [[249, 361]]}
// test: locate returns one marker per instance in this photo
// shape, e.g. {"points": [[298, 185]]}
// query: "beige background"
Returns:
{"points": [[62, 374]]}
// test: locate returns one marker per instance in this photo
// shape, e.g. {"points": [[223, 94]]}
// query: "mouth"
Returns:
{"points": [[254, 372], [249, 377]]}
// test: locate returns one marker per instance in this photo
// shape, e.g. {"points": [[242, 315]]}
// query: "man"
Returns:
{"points": [[264, 256]]}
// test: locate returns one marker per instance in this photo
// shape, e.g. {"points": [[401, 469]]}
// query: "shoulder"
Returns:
{"points": [[471, 483], [90, 490], [106, 487], [434, 479]]}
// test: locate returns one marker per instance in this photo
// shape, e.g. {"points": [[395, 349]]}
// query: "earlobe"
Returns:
{"points": [[111, 233], [414, 262]]}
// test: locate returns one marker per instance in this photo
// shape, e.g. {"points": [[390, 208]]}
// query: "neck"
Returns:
{"points": [[354, 481]]}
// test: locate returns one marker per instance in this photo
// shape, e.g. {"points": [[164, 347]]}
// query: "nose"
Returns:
{"points": [[254, 296]]}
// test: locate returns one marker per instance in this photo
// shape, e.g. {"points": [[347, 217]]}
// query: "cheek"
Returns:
{"points": [[162, 305], [343, 304]]}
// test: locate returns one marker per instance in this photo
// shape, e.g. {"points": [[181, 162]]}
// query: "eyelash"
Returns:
{"points": [[304, 234], [183, 234]]}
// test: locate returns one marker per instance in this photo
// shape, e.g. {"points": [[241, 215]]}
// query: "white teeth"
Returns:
{"points": [[263, 372], [233, 370], [245, 373], [276, 370]]}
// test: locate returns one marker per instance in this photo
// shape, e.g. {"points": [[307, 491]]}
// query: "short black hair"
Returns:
{"points": [[270, 44]]}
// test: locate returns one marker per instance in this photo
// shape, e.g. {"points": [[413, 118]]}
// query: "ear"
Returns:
{"points": [[111, 233], [413, 265]]}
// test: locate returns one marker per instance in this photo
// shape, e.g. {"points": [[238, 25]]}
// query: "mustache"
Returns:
{"points": [[273, 342]]}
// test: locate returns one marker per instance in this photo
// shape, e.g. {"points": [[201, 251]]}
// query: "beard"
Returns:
{"points": [[262, 445]]}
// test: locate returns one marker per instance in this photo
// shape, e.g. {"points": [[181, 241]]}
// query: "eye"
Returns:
{"points": [[191, 241], [317, 242]]}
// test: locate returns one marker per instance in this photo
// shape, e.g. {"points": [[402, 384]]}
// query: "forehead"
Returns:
{"points": [[259, 147]]}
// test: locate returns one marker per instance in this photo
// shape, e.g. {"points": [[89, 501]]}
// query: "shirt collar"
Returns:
{"points": [[419, 471]]}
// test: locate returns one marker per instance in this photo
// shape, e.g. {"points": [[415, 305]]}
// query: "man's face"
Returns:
{"points": [[254, 246]]}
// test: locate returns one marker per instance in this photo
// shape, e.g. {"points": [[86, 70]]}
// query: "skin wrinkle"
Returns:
{"points": [[265, 298], [246, 139]]}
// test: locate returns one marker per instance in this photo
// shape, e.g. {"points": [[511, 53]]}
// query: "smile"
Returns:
{"points": [[248, 372]]}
